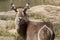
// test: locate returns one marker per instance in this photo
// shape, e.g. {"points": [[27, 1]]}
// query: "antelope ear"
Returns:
{"points": [[26, 7], [13, 7]]}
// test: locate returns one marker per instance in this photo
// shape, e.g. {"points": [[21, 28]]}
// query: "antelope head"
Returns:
{"points": [[21, 15]]}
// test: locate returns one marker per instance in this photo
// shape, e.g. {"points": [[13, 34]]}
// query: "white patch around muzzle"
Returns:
{"points": [[20, 17]]}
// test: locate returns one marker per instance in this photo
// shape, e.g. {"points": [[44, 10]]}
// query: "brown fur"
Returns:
{"points": [[33, 28]]}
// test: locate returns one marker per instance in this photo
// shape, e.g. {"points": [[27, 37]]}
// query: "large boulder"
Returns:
{"points": [[45, 12]]}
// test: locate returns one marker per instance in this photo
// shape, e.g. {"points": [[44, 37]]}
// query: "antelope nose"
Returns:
{"points": [[20, 18]]}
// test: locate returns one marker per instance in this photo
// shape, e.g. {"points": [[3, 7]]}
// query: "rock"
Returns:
{"points": [[45, 12]]}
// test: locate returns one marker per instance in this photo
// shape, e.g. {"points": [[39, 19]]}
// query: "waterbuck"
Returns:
{"points": [[31, 30]]}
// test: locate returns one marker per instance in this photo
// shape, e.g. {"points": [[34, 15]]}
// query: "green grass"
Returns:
{"points": [[6, 33]]}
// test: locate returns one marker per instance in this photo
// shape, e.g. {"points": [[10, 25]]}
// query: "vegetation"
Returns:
{"points": [[6, 33]]}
